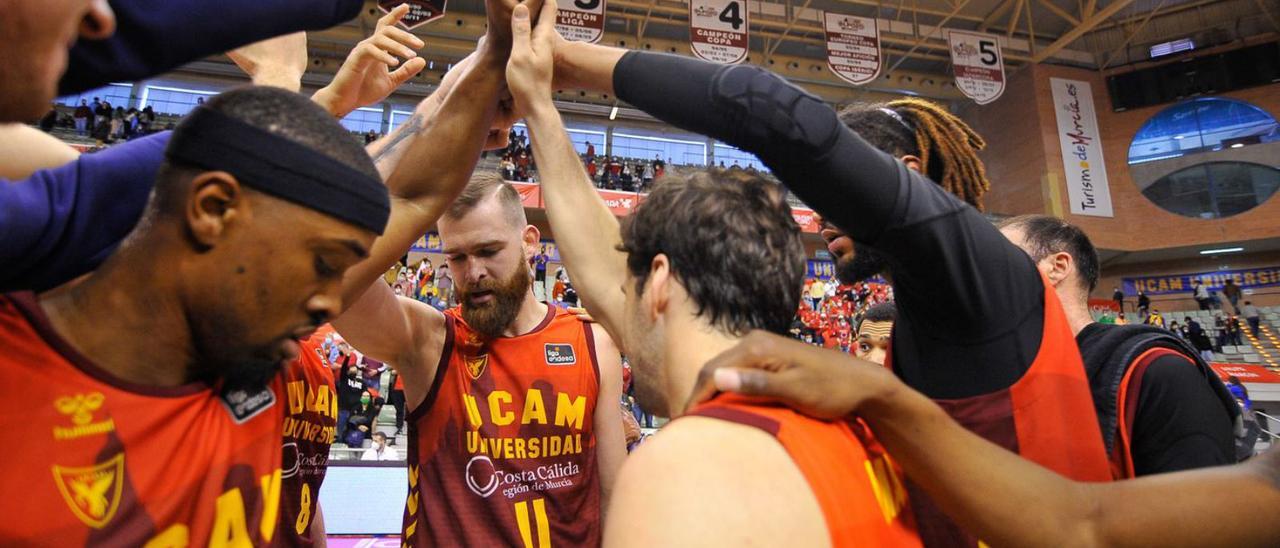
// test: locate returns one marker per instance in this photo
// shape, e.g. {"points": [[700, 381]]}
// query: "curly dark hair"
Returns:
{"points": [[731, 241]]}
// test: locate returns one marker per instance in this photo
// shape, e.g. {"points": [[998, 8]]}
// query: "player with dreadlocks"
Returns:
{"points": [[978, 328]]}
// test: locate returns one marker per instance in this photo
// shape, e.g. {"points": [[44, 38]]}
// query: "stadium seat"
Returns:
{"points": [[1252, 358]]}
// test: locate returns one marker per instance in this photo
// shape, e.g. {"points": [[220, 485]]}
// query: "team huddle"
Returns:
{"points": [[178, 395]]}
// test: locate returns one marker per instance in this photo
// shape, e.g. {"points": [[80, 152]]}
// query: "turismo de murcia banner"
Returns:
{"points": [[1182, 283], [1087, 187]]}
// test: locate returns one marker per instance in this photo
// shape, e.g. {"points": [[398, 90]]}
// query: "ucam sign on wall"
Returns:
{"points": [[1081, 144]]}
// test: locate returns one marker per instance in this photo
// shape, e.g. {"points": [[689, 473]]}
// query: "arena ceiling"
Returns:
{"points": [[786, 37]]}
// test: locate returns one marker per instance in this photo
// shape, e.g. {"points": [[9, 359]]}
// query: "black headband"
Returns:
{"points": [[280, 167]]}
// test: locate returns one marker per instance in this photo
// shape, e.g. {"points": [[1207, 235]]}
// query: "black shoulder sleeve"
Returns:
{"points": [[1180, 423]]}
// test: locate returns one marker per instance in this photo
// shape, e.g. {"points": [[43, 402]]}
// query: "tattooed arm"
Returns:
{"points": [[428, 159]]}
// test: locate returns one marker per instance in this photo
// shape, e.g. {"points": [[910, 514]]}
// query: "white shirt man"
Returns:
{"points": [[380, 449]]}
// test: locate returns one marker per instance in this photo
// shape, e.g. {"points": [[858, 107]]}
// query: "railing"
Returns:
{"points": [[1269, 418]]}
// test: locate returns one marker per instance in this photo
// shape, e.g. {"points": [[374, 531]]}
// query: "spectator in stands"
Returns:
{"points": [[1232, 292], [592, 170], [570, 294], [1233, 331], [49, 120], [1201, 294], [1154, 318], [444, 285], [117, 123], [363, 420], [1178, 330], [380, 450], [350, 387], [1220, 329], [1118, 297], [591, 150], [1252, 316], [395, 397], [1199, 339], [82, 114], [1144, 302]]}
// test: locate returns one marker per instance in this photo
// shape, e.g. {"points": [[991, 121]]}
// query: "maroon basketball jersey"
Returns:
{"points": [[502, 450]]}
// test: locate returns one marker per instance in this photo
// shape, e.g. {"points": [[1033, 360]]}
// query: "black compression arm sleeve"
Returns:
{"points": [[794, 133], [970, 304]]}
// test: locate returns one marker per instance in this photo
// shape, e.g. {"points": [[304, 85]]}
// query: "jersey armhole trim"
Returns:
{"points": [[590, 331], [738, 416], [442, 368]]}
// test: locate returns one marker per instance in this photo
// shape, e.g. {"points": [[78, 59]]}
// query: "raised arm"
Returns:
{"points": [[586, 231], [999, 496], [429, 159]]}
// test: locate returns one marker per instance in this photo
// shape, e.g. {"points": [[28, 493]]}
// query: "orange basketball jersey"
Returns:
{"points": [[502, 450], [310, 422], [93, 460], [1044, 416], [859, 489]]}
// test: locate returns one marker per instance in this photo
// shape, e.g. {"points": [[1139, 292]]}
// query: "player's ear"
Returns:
{"points": [[215, 199], [913, 163], [1058, 267], [532, 238], [658, 286]]}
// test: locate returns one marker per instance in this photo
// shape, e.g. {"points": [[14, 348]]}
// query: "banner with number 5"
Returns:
{"points": [[978, 64], [580, 20], [718, 30]]}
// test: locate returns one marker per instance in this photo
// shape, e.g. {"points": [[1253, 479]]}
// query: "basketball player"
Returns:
{"points": [[125, 439], [514, 433], [873, 331], [704, 259], [977, 326], [1001, 498]]}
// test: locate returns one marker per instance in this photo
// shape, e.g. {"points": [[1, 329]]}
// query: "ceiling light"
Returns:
{"points": [[1238, 145], [1221, 250], [613, 113]]}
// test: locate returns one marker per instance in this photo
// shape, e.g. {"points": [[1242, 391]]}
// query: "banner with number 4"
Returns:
{"points": [[718, 30]]}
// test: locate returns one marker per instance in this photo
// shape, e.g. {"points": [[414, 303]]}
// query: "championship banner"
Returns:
{"points": [[1081, 145], [822, 270], [979, 65], [718, 30], [853, 47], [1247, 373], [420, 13], [580, 20], [1213, 281]]}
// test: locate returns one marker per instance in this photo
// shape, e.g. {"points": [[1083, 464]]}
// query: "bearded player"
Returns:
{"points": [[704, 259], [514, 432]]}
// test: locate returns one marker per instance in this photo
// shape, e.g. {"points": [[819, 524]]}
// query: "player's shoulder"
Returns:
{"points": [[707, 466]]}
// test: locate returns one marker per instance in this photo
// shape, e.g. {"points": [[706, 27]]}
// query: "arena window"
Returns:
{"points": [[683, 152], [364, 119], [170, 100], [1201, 125], [1207, 158], [730, 156], [116, 94]]}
